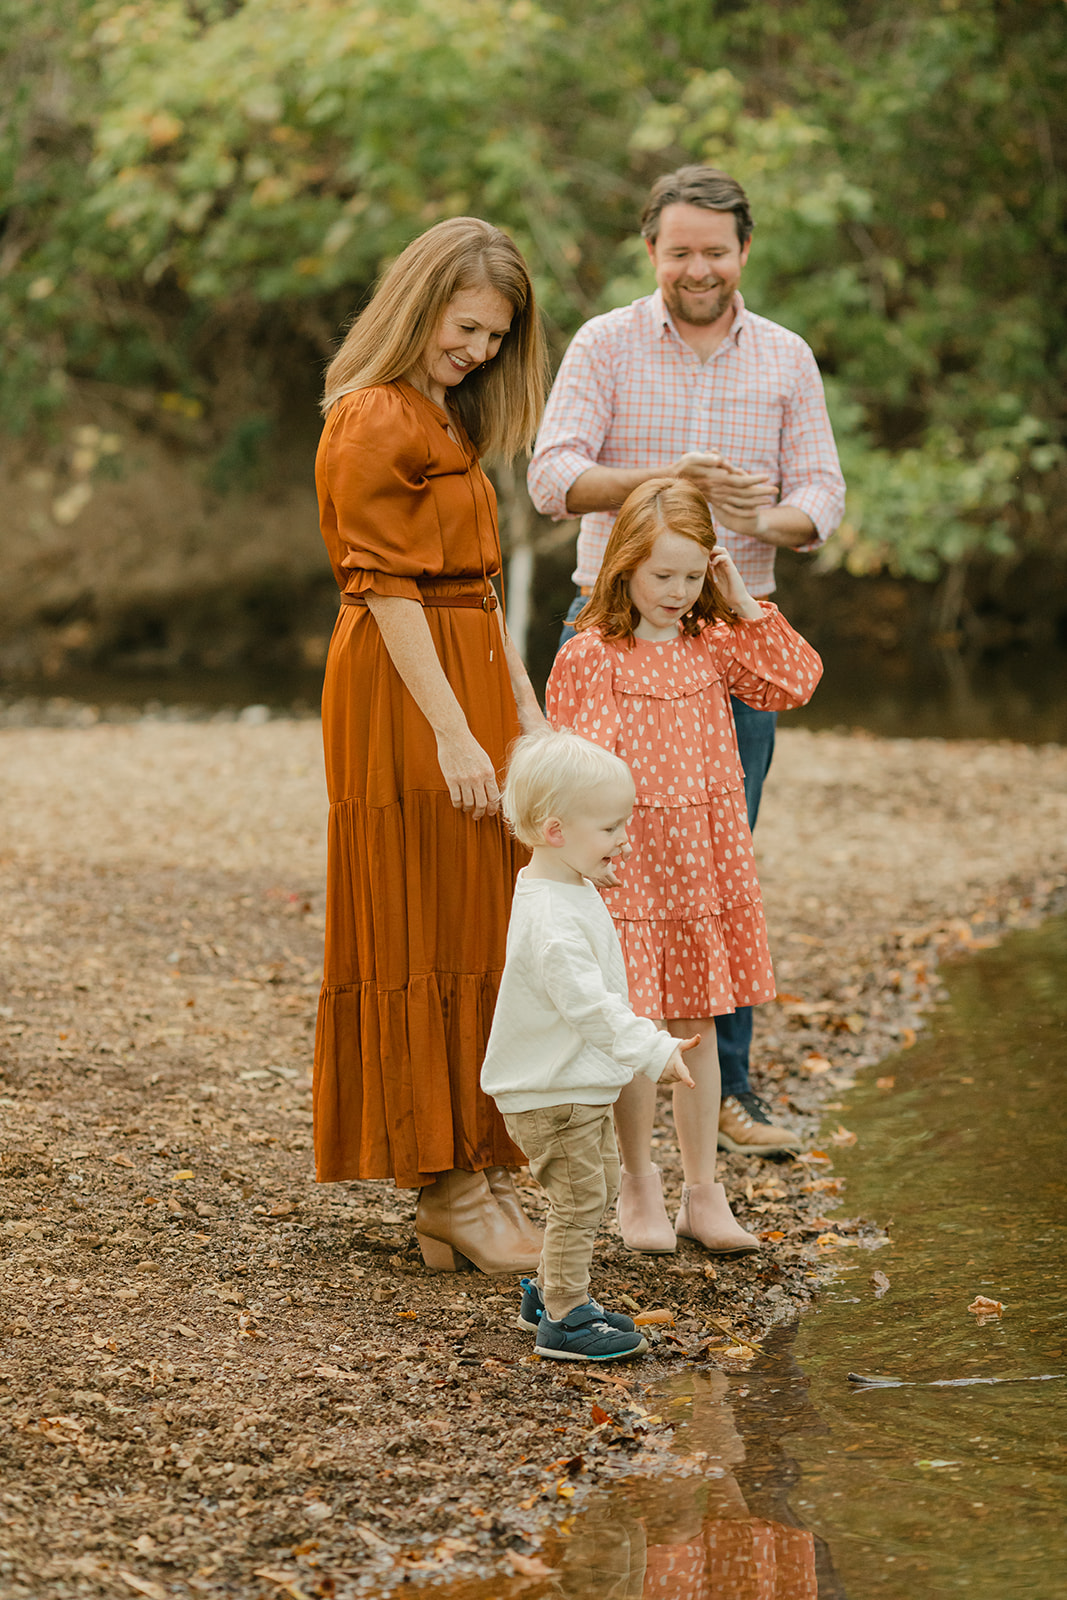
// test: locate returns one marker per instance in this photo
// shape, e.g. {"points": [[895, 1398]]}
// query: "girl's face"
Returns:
{"points": [[470, 331], [667, 585]]}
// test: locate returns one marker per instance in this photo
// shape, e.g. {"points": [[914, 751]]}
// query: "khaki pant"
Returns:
{"points": [[572, 1154]]}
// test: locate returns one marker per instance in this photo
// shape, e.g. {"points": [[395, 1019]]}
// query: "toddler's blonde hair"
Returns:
{"points": [[547, 776]]}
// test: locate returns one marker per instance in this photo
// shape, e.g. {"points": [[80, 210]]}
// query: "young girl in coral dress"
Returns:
{"points": [[669, 633]]}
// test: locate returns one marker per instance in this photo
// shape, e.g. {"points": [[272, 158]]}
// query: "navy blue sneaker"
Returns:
{"points": [[532, 1310], [583, 1335]]}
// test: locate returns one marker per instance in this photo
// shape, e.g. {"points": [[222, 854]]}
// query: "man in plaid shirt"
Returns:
{"points": [[689, 383]]}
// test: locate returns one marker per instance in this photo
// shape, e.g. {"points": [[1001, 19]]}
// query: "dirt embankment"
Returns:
{"points": [[218, 1379]]}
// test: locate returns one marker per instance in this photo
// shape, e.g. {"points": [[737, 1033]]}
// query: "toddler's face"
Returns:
{"points": [[596, 832]]}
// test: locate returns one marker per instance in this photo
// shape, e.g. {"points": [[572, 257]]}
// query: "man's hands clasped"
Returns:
{"points": [[737, 498]]}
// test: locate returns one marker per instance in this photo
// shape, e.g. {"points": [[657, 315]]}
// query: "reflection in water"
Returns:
{"points": [[930, 1486], [694, 1538], [722, 1532]]}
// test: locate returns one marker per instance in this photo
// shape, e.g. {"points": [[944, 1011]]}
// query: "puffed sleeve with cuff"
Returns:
{"points": [[580, 693], [375, 497], [767, 664]]}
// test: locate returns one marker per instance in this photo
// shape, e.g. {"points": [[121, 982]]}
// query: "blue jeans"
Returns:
{"points": [[576, 605], [755, 744]]}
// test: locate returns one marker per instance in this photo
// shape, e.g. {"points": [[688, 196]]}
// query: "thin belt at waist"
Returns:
{"points": [[465, 602]]}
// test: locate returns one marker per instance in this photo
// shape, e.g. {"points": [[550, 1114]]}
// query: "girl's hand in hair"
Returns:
{"points": [[727, 580]]}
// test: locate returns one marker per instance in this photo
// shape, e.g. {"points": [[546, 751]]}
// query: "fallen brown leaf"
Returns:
{"points": [[983, 1306], [646, 1319], [842, 1135], [880, 1283], [154, 1591], [529, 1566], [370, 1537], [284, 1581]]}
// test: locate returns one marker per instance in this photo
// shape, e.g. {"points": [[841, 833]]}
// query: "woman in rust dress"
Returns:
{"points": [[424, 693]]}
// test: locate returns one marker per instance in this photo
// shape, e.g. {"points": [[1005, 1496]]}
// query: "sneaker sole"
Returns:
{"points": [[527, 1327], [573, 1355], [736, 1148]]}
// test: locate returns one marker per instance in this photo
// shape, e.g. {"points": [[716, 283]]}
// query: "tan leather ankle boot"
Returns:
{"points": [[458, 1223], [705, 1215], [502, 1187], [643, 1220]]}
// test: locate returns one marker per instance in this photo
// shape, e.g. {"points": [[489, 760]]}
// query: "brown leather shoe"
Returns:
{"points": [[502, 1186], [746, 1129], [458, 1223], [705, 1215]]}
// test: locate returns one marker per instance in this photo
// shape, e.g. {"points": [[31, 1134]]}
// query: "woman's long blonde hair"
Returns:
{"points": [[500, 404], [659, 505]]}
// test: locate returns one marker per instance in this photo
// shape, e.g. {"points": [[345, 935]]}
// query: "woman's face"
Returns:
{"points": [[469, 333]]}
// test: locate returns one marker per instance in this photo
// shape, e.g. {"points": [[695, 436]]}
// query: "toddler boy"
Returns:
{"points": [[564, 1039]]}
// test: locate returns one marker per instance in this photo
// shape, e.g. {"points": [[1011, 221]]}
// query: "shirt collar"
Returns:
{"points": [[663, 322]]}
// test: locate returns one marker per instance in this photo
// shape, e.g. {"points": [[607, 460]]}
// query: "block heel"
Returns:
{"points": [[440, 1257]]}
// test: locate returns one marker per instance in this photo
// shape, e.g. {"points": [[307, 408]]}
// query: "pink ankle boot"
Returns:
{"points": [[705, 1215], [643, 1219]]}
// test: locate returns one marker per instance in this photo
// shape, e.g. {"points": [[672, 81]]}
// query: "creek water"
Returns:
{"points": [[804, 1485], [1018, 693]]}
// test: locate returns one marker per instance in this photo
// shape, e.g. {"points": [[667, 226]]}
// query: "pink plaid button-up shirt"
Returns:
{"points": [[630, 393]]}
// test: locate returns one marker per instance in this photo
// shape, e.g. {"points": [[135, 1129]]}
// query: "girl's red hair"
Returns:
{"points": [[659, 505]]}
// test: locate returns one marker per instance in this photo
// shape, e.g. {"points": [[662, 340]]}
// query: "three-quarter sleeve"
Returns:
{"points": [[375, 496], [766, 664]]}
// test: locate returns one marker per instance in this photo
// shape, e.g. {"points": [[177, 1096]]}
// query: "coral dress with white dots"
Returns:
{"points": [[689, 912]]}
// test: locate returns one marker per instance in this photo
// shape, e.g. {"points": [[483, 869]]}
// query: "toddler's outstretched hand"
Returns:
{"points": [[676, 1070]]}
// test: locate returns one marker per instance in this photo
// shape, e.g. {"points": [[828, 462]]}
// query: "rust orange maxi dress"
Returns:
{"points": [[418, 893]]}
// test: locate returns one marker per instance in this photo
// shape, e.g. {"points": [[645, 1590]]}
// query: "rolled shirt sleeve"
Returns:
{"points": [[811, 477], [576, 423]]}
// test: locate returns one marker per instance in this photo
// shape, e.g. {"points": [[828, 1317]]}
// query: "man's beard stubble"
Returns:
{"points": [[699, 319]]}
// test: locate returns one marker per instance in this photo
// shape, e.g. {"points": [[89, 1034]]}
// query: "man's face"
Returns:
{"points": [[698, 262]]}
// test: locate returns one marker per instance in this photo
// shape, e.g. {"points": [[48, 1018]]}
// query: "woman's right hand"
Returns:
{"points": [[469, 773]]}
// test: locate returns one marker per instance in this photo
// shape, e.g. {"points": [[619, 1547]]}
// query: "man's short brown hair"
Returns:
{"points": [[697, 186]]}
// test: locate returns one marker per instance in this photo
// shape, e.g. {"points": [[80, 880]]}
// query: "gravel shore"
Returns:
{"points": [[219, 1379]]}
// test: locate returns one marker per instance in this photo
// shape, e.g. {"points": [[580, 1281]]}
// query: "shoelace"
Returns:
{"points": [[739, 1111]]}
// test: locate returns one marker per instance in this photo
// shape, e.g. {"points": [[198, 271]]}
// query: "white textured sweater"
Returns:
{"points": [[563, 1030]]}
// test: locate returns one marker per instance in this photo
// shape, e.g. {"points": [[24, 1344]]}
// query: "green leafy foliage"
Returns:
{"points": [[179, 177]]}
